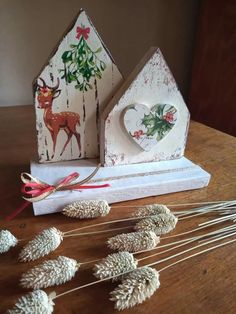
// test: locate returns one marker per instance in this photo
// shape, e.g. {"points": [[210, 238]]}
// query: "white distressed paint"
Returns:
{"points": [[127, 182], [150, 83], [71, 99]]}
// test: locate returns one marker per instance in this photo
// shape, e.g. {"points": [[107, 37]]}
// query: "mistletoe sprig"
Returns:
{"points": [[81, 63], [158, 122]]}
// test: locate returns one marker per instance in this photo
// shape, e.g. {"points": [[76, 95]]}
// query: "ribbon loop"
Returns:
{"points": [[28, 178], [67, 180], [35, 190]]}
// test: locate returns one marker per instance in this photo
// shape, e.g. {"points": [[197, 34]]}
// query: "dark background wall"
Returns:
{"points": [[213, 87], [29, 30]]}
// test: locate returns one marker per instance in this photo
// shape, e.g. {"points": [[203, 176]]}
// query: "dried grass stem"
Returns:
{"points": [[155, 263]]}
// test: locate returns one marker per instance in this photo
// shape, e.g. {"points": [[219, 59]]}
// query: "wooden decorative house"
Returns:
{"points": [[147, 120], [70, 93], [139, 125]]}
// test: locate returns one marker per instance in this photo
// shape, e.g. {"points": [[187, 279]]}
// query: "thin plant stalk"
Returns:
{"points": [[109, 222], [168, 250], [90, 262], [183, 217], [209, 208], [191, 216], [152, 264], [186, 232], [191, 249], [128, 227], [214, 221], [96, 232], [117, 229], [228, 212], [180, 243], [218, 233], [177, 205], [196, 254], [215, 205]]}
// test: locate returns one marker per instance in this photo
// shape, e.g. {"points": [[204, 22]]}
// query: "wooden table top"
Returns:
{"points": [[205, 283]]}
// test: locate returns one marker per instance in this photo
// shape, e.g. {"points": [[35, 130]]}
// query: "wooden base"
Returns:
{"points": [[126, 182]]}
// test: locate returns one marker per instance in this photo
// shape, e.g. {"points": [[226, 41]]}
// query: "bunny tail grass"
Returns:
{"points": [[115, 264], [160, 224], [151, 210], [135, 288], [87, 209], [133, 241], [7, 240], [34, 302], [50, 273], [44, 243]]}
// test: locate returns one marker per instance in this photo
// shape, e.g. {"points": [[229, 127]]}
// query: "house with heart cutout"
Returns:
{"points": [[147, 119]]}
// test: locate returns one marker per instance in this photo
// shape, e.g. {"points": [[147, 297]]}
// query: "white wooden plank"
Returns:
{"points": [[127, 182]]}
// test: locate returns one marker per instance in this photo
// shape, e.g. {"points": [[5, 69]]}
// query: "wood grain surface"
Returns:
{"points": [[203, 284]]}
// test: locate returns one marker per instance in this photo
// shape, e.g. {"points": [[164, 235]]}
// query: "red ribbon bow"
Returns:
{"points": [[35, 190], [82, 32]]}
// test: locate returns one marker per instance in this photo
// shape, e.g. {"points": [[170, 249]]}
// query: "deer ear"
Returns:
{"points": [[57, 93]]}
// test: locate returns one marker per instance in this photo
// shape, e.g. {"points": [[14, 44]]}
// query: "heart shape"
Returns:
{"points": [[148, 126]]}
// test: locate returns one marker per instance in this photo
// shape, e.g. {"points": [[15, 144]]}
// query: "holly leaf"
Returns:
{"points": [[155, 128], [151, 131], [154, 124], [159, 110], [149, 119]]}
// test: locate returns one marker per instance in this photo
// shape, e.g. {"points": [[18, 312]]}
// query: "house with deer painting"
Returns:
{"points": [[71, 92]]}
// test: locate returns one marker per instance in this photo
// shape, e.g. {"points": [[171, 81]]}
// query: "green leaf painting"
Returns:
{"points": [[159, 121], [81, 63]]}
